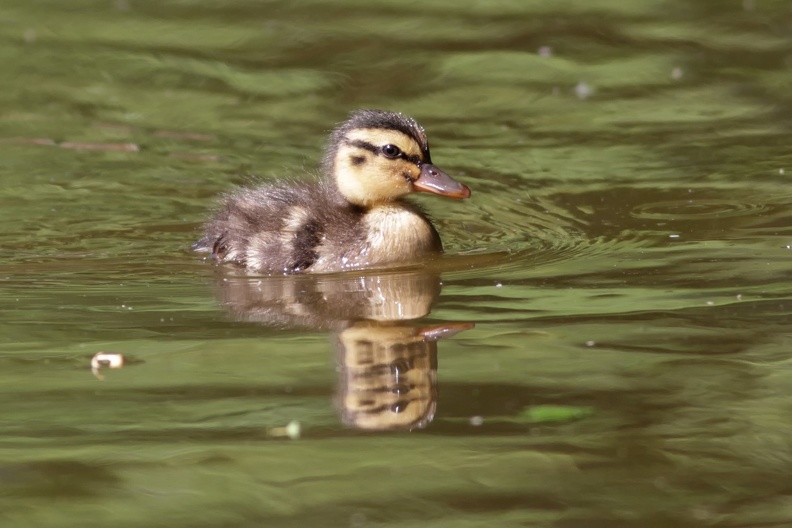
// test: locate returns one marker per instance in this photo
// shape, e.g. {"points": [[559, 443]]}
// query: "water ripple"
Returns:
{"points": [[690, 210]]}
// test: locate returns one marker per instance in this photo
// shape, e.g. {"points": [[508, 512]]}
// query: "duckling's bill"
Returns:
{"points": [[435, 181]]}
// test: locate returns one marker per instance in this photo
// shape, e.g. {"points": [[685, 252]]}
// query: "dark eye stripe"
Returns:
{"points": [[364, 145], [376, 150]]}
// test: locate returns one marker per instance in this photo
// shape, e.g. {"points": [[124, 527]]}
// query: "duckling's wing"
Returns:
{"points": [[270, 228]]}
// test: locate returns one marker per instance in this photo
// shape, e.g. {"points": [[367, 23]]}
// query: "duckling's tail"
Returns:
{"points": [[203, 245]]}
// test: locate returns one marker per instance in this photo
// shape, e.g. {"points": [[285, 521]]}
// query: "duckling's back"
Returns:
{"points": [[269, 228]]}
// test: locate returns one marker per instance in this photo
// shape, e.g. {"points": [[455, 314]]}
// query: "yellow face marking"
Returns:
{"points": [[365, 177]]}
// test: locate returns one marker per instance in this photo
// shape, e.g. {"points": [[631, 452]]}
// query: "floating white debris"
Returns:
{"points": [[292, 430], [105, 360], [677, 73], [476, 421], [673, 236], [590, 343]]}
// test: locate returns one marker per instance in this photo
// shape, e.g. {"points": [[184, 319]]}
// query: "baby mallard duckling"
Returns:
{"points": [[355, 217]]}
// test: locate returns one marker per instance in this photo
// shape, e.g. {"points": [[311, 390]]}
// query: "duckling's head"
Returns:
{"points": [[377, 156]]}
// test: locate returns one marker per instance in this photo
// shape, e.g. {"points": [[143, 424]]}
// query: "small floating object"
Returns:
{"points": [[291, 431], [105, 360]]}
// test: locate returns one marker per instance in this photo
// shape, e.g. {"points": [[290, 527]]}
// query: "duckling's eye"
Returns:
{"points": [[391, 151]]}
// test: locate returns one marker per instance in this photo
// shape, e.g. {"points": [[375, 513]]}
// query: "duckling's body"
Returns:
{"points": [[355, 217]]}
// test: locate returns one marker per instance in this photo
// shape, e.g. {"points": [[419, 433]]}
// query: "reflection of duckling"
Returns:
{"points": [[329, 301], [387, 363], [389, 374], [355, 218]]}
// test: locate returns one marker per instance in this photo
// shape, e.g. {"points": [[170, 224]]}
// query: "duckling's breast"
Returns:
{"points": [[388, 234], [395, 231]]}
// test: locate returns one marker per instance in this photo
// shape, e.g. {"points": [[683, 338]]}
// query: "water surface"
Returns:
{"points": [[624, 258]]}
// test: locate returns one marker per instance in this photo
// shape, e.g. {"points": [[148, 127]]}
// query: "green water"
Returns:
{"points": [[625, 259]]}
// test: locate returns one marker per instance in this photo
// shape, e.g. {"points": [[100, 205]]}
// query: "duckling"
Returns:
{"points": [[354, 217]]}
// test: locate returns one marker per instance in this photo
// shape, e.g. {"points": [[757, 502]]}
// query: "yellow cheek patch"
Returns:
{"points": [[403, 169], [379, 137], [365, 178]]}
